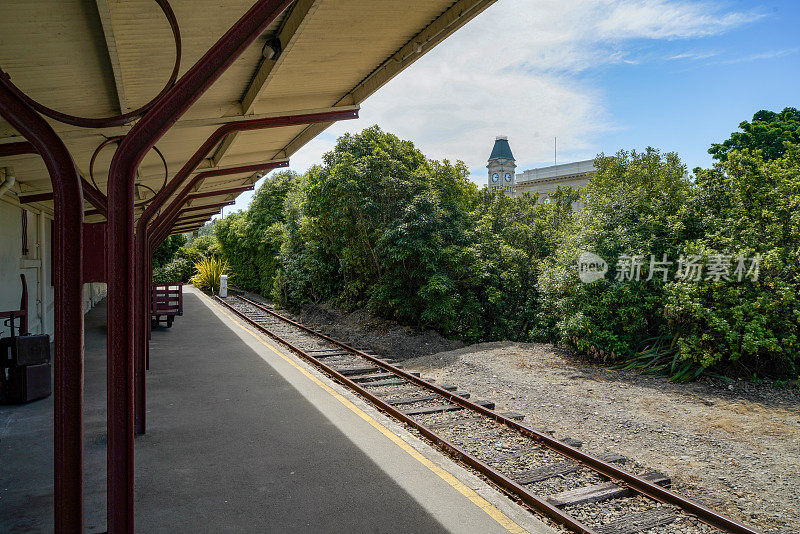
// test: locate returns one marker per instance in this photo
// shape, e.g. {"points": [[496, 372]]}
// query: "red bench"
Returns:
{"points": [[167, 302]]}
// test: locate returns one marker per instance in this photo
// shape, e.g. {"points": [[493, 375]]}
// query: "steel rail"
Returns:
{"points": [[506, 483], [617, 475]]}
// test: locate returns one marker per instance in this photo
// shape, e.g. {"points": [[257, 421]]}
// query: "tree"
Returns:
{"points": [[746, 206], [165, 252], [632, 206], [250, 240], [769, 132]]}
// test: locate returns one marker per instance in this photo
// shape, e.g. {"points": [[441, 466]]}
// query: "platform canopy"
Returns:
{"points": [[97, 58]]}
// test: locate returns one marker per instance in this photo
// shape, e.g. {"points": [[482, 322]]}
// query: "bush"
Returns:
{"points": [[165, 252], [208, 272], [251, 240], [632, 206], [178, 270], [379, 225], [744, 206]]}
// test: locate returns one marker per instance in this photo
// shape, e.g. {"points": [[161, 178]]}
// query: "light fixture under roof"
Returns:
{"points": [[272, 48]]}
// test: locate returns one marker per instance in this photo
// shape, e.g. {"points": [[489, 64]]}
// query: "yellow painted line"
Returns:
{"points": [[504, 521]]}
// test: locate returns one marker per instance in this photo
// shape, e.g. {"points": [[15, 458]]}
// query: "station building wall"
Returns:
{"points": [[35, 265]]}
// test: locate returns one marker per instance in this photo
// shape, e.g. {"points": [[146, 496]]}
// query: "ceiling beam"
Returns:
{"points": [[70, 132], [215, 206], [204, 217], [104, 11], [290, 30], [219, 192], [443, 26], [288, 33], [183, 230]]}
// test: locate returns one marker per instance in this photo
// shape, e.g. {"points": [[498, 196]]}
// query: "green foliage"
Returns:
{"points": [[178, 270], [206, 245], [166, 251], [381, 226], [744, 206], [250, 240], [632, 206], [208, 272], [771, 133]]}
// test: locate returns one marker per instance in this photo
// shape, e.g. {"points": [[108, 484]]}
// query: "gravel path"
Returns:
{"points": [[735, 447]]}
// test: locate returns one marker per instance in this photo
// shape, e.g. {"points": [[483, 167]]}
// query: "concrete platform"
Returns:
{"points": [[244, 438]]}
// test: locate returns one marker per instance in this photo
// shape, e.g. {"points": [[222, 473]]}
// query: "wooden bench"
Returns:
{"points": [[166, 302]]}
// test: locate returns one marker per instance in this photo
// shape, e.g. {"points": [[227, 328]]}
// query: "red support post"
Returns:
{"points": [[179, 200], [16, 149], [68, 283], [152, 126], [153, 236]]}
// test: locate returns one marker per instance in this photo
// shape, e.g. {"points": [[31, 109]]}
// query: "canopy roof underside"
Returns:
{"points": [[100, 58]]}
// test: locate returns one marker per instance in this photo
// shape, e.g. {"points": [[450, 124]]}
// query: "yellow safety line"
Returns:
{"points": [[506, 522]]}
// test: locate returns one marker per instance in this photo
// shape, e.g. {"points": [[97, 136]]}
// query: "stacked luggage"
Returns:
{"points": [[25, 368]]}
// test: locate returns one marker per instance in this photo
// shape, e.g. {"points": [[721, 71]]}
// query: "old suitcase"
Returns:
{"points": [[28, 383], [24, 350]]}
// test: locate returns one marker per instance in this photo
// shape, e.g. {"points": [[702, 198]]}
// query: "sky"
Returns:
{"points": [[598, 75]]}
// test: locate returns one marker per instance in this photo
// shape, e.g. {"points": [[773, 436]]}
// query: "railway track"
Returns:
{"points": [[585, 493]]}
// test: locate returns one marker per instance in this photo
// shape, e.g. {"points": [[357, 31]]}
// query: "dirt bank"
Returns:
{"points": [[734, 446]]}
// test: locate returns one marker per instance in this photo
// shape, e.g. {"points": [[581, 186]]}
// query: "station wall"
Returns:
{"points": [[35, 264]]}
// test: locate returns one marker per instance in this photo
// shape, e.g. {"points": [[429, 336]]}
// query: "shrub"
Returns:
{"points": [[165, 252], [251, 240], [632, 206], [744, 206], [208, 272], [177, 271]]}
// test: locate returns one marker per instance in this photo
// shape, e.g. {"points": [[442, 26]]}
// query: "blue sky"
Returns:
{"points": [[601, 75]]}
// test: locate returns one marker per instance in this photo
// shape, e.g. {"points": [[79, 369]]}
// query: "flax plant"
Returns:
{"points": [[208, 272]]}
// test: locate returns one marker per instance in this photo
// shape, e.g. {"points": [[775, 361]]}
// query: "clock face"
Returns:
{"points": [[508, 177], [495, 177]]}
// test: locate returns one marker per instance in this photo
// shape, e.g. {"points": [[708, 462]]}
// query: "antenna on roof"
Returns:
{"points": [[555, 151]]}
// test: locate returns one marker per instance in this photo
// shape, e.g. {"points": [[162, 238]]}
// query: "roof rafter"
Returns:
{"points": [[104, 11], [288, 33], [443, 26]]}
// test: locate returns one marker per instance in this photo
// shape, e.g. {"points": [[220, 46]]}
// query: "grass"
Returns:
{"points": [[660, 356]]}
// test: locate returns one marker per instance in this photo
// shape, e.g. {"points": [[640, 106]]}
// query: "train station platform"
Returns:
{"points": [[244, 437]]}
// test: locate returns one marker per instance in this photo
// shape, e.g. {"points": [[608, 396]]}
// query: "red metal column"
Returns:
{"points": [[68, 283], [122, 173]]}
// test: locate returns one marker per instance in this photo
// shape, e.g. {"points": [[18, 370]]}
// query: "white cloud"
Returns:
{"points": [[513, 70], [771, 54], [693, 56]]}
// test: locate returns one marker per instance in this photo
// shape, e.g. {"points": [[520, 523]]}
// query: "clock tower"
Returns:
{"points": [[501, 166]]}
